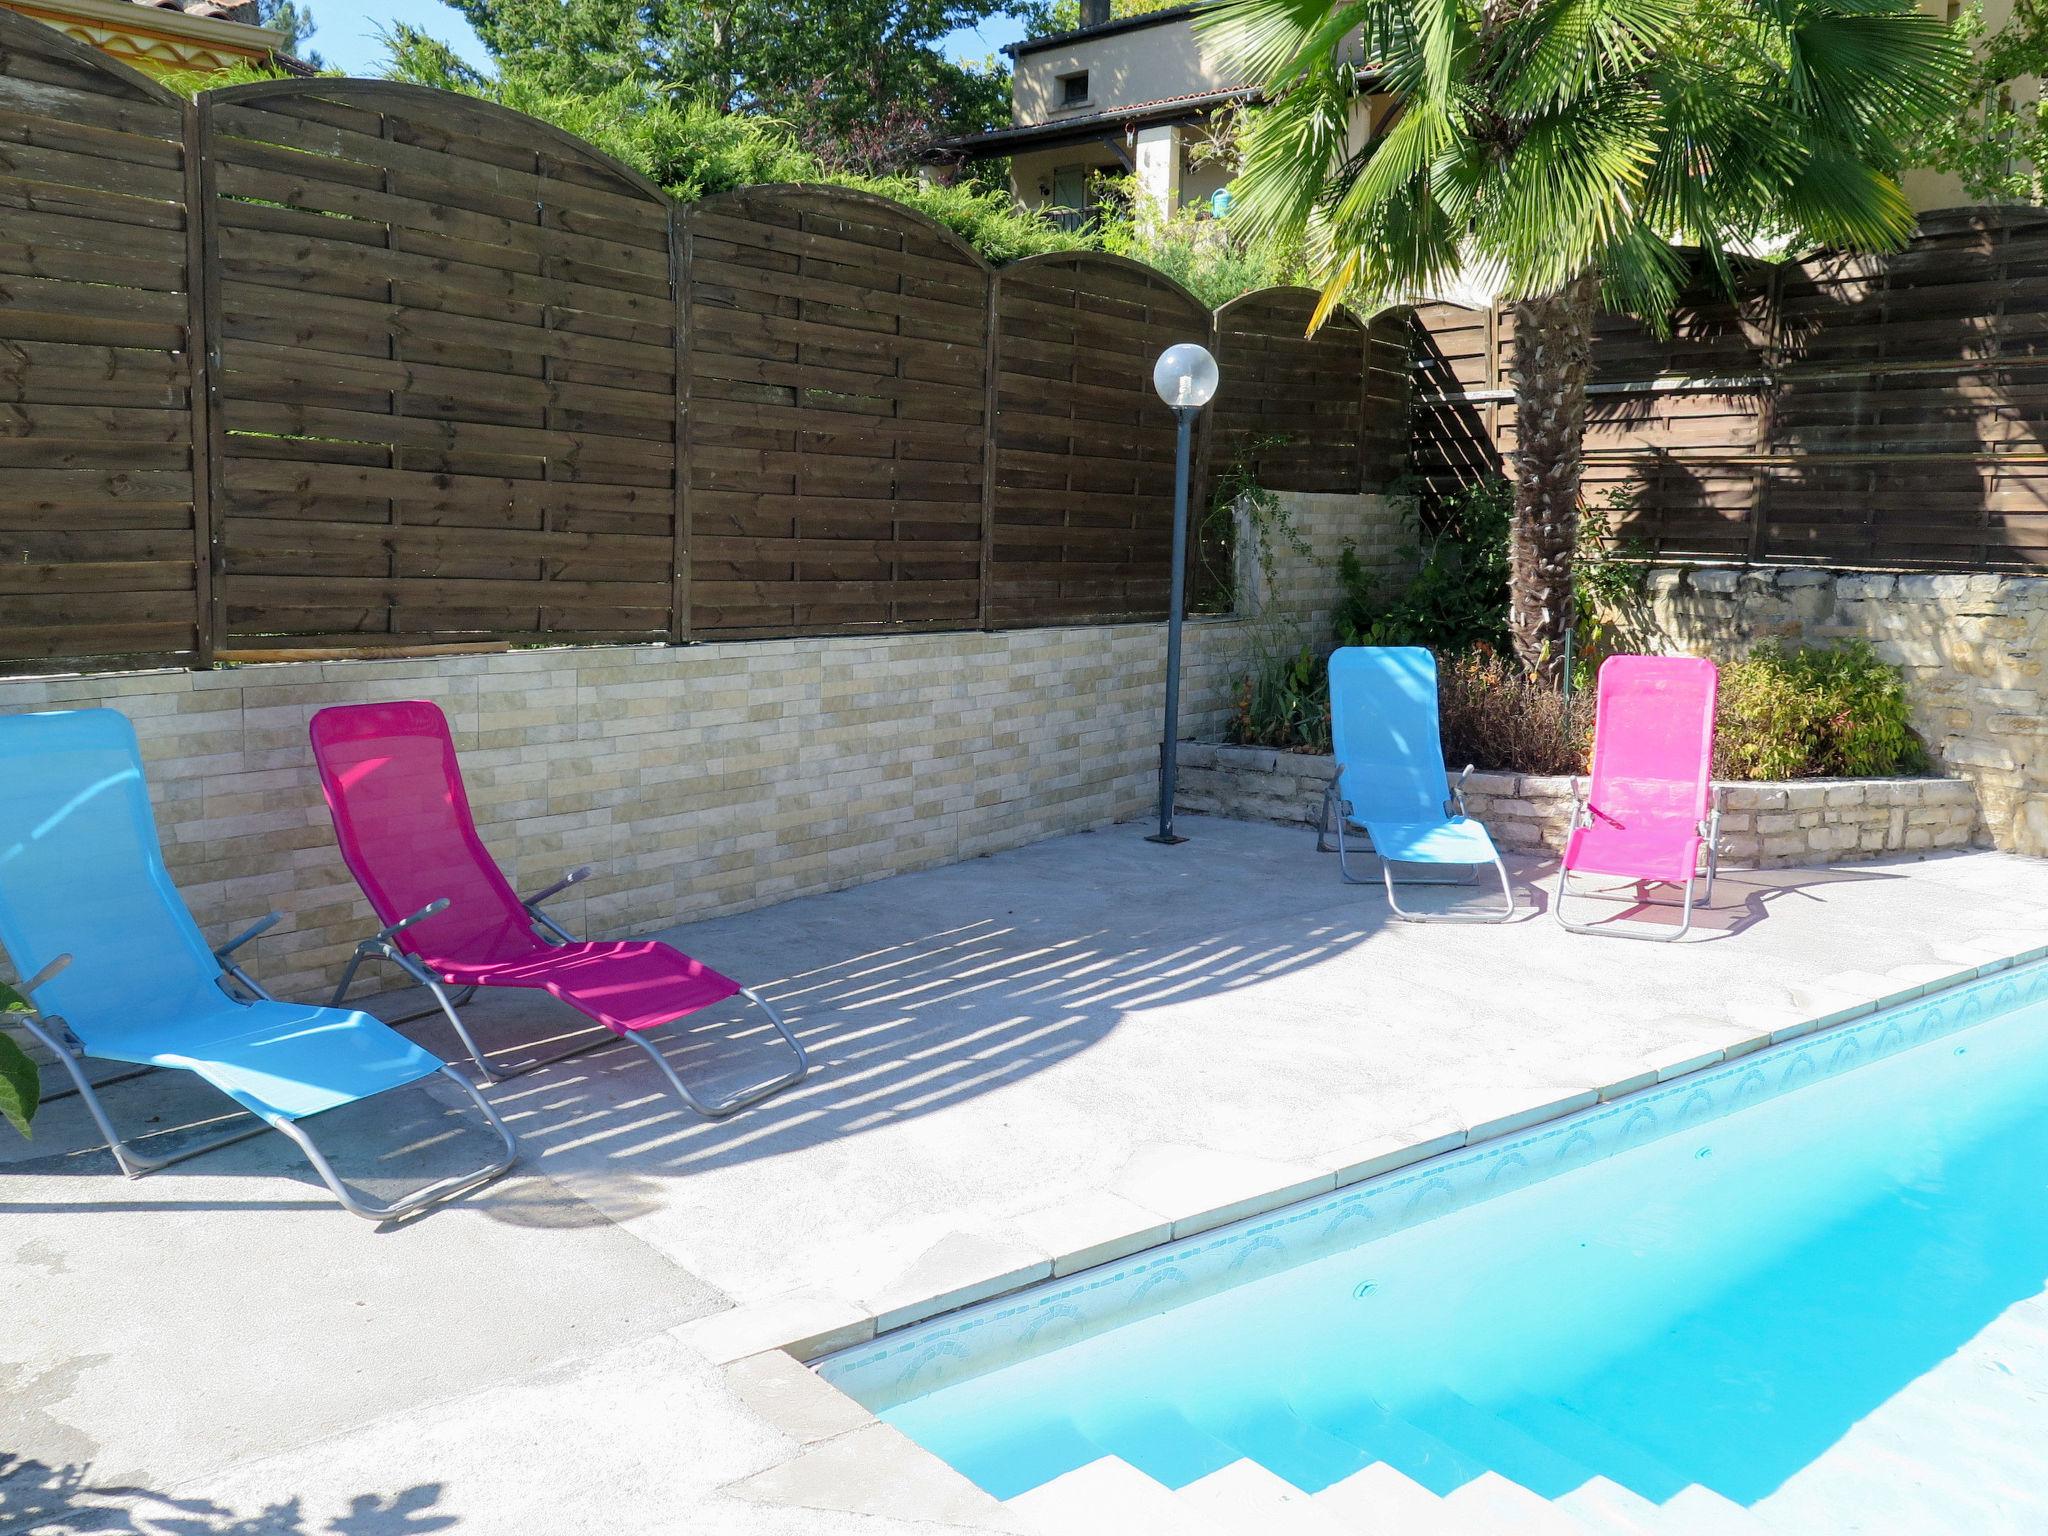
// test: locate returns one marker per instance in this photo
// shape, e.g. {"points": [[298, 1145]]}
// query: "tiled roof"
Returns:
{"points": [[1088, 123], [243, 11]]}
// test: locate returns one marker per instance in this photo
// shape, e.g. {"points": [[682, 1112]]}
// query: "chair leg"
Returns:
{"points": [[450, 1009], [1507, 897], [440, 1189], [718, 1109], [132, 1161], [1344, 858]]}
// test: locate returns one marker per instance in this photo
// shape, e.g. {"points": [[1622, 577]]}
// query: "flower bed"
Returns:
{"points": [[1805, 821]]}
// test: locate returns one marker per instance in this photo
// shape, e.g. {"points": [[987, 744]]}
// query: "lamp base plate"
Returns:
{"points": [[1168, 838]]}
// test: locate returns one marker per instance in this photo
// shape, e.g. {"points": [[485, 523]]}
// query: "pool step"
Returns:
{"points": [[1271, 1433], [1600, 1448], [1110, 1497], [1384, 1501], [1383, 1435], [1604, 1507], [1501, 1447], [1491, 1502], [1245, 1496]]}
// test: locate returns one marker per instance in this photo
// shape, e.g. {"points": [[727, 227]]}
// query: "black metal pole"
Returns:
{"points": [[1169, 745]]}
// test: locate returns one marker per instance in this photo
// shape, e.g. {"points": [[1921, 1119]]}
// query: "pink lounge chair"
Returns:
{"points": [[401, 815], [1646, 815]]}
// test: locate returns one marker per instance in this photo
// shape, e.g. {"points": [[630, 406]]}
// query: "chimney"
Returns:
{"points": [[1094, 12]]}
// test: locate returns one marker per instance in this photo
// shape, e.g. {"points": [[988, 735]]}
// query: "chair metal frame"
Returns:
{"points": [[1337, 811], [134, 1163], [1709, 832], [383, 945]]}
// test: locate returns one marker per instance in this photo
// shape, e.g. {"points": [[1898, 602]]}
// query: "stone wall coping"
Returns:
{"points": [[1746, 794]]}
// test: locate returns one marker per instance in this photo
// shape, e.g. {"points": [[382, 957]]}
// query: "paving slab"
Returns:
{"points": [[1004, 1048]]}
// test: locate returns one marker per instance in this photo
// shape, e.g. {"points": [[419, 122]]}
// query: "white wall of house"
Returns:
{"points": [[1123, 68]]}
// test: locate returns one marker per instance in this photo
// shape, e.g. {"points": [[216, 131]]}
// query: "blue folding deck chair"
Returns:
{"points": [[1390, 775], [125, 975]]}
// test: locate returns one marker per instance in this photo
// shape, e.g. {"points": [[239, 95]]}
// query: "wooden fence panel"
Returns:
{"points": [[446, 378], [1082, 507], [1294, 408], [344, 365], [105, 555], [1864, 411], [837, 415]]}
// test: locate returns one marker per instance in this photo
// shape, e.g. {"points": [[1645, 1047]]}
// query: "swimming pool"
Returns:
{"points": [[1710, 1282]]}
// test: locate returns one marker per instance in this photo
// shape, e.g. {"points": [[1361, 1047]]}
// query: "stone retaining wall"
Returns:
{"points": [[1811, 821], [1971, 648], [697, 779]]}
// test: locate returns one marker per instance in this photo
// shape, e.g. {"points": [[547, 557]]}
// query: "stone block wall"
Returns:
{"points": [[697, 779], [1971, 648], [1817, 821], [1763, 825]]}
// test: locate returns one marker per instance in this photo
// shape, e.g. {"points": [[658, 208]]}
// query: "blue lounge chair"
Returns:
{"points": [[1390, 780], [125, 975]]}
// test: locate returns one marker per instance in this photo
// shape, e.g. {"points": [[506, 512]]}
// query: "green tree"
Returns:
{"points": [[861, 83], [1996, 142], [293, 20], [1567, 150]]}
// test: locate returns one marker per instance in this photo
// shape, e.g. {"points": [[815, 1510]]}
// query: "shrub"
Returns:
{"points": [[1791, 714], [1284, 702], [1497, 716], [1458, 597], [1785, 714]]}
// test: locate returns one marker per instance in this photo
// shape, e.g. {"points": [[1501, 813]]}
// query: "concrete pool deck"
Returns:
{"points": [[1050, 1054]]}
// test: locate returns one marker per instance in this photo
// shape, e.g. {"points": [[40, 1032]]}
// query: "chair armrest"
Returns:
{"points": [[1458, 793], [256, 929], [548, 893], [45, 974], [386, 935]]}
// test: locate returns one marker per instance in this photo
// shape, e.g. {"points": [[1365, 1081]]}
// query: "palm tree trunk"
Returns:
{"points": [[1552, 359]]}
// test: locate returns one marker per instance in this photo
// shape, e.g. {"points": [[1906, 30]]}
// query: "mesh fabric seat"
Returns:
{"points": [[1390, 772], [1647, 814], [82, 874], [402, 817]]}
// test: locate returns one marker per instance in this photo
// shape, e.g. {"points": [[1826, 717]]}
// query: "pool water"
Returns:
{"points": [[1711, 1283]]}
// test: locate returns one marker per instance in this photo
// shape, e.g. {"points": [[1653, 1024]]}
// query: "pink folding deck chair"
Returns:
{"points": [[1646, 815], [401, 815]]}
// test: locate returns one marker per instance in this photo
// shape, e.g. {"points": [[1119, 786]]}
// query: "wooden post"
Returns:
{"points": [[991, 353], [679, 557], [209, 448]]}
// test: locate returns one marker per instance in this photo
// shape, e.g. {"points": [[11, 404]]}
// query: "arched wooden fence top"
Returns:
{"points": [[828, 201], [342, 365], [102, 545], [1284, 302], [836, 409], [447, 373], [34, 54], [513, 132], [1291, 409], [1081, 263], [1081, 516]]}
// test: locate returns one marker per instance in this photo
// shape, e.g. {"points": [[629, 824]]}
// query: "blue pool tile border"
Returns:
{"points": [[922, 1357]]}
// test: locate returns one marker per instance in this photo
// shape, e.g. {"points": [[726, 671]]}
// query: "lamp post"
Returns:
{"points": [[1186, 379]]}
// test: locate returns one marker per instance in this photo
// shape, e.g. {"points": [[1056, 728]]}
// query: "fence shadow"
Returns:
{"points": [[64, 1499], [977, 985]]}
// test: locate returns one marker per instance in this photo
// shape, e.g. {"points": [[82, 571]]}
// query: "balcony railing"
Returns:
{"points": [[1072, 221]]}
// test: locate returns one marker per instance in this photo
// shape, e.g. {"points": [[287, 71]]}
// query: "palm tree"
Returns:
{"points": [[1567, 150]]}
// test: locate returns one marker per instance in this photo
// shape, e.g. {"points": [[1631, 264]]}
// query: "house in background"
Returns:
{"points": [[1121, 95], [160, 36], [1129, 93]]}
